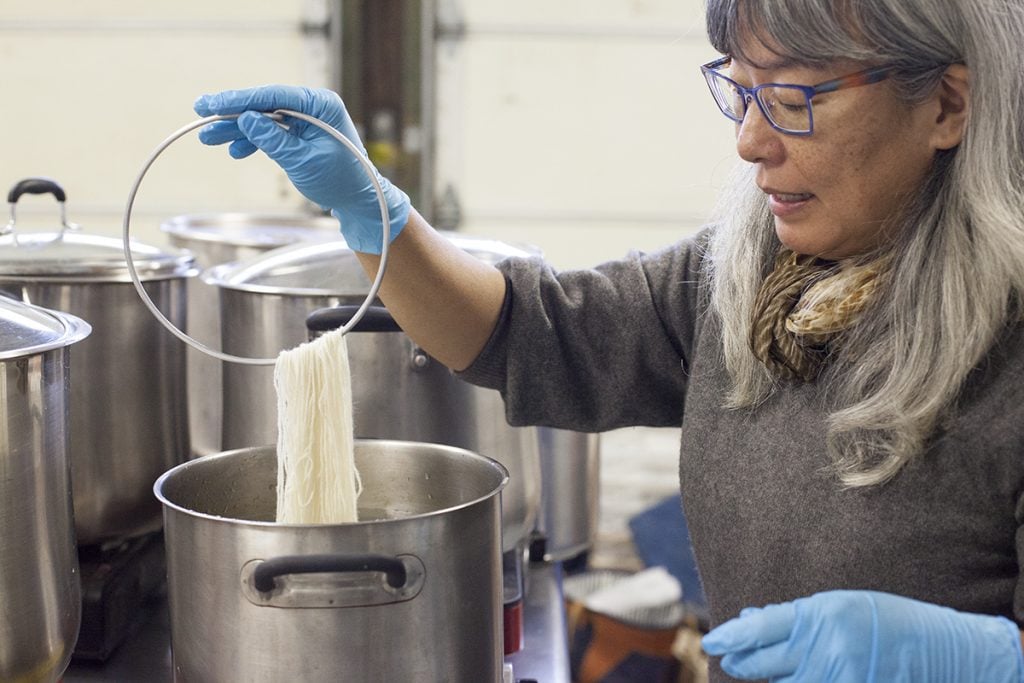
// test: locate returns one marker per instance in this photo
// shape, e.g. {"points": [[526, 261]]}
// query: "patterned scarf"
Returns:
{"points": [[804, 303]]}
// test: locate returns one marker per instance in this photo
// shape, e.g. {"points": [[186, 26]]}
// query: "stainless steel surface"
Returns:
{"points": [[40, 594], [128, 407], [263, 305], [215, 239], [403, 393], [27, 330], [436, 503], [545, 654], [399, 391], [83, 258], [570, 464]]}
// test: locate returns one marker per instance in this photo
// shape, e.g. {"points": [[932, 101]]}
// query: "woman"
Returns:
{"points": [[843, 347]]}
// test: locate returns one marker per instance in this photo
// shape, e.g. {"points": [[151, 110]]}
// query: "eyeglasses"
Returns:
{"points": [[786, 106]]}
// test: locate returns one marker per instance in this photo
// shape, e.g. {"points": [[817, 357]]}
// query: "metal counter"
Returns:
{"points": [[146, 656], [545, 654]]}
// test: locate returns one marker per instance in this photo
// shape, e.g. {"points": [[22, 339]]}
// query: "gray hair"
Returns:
{"points": [[958, 270]]}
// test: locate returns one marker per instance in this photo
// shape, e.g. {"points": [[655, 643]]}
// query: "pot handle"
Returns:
{"points": [[376, 319], [263, 576], [37, 185], [278, 582]]}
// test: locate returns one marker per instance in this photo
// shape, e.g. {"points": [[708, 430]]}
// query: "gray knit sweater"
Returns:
{"points": [[631, 343]]}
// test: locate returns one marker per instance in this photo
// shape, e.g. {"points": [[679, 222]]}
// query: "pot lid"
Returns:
{"points": [[251, 230], [72, 255], [331, 268], [27, 330]]}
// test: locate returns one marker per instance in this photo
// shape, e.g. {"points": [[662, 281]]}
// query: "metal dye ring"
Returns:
{"points": [[277, 115]]}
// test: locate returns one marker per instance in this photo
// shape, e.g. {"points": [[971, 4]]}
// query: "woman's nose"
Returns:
{"points": [[756, 140]]}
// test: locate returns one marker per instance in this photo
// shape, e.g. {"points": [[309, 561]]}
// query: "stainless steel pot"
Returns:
{"points": [[413, 593], [570, 465], [399, 391], [40, 604], [215, 239], [128, 403]]}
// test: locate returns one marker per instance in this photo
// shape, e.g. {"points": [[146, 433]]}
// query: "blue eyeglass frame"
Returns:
{"points": [[854, 80]]}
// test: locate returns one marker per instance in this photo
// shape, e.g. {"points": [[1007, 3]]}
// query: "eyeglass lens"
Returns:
{"points": [[786, 107]]}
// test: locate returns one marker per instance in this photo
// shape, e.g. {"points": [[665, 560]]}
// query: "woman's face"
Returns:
{"points": [[832, 192]]}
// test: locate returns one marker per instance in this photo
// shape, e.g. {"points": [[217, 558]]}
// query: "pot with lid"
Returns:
{"points": [[399, 391], [214, 239], [128, 418], [39, 582]]}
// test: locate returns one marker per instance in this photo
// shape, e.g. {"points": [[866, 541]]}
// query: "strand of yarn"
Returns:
{"points": [[317, 480]]}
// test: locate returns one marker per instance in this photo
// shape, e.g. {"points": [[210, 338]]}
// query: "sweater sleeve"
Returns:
{"points": [[592, 350]]}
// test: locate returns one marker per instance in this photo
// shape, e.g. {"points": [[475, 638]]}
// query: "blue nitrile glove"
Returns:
{"points": [[867, 637], [320, 167]]}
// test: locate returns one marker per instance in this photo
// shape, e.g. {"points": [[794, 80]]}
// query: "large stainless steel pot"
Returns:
{"points": [[40, 604], [424, 604], [128, 402], [570, 465], [215, 239], [399, 391]]}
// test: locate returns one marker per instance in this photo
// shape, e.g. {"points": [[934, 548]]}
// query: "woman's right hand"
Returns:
{"points": [[320, 167]]}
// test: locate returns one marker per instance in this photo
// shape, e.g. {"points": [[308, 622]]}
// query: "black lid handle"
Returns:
{"points": [[36, 186]]}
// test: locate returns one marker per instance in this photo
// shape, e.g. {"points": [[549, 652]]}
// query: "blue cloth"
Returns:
{"points": [[662, 539]]}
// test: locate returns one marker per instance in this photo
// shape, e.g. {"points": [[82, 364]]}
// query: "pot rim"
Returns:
{"points": [[483, 459], [215, 276], [72, 330], [289, 228], [87, 257], [86, 279], [239, 275], [234, 275]]}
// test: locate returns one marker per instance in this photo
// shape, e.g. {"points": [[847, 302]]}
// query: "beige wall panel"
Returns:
{"points": [[566, 134], [625, 15], [585, 244], [626, 128], [94, 11], [87, 108]]}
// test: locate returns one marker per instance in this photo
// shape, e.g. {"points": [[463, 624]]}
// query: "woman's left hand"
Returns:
{"points": [[867, 636]]}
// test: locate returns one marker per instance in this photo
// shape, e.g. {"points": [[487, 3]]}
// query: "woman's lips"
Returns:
{"points": [[784, 204]]}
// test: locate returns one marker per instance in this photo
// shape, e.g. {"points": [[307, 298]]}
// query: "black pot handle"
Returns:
{"points": [[376, 319], [267, 571], [36, 186]]}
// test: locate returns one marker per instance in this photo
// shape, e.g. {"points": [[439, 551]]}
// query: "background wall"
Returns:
{"points": [[92, 87], [581, 126]]}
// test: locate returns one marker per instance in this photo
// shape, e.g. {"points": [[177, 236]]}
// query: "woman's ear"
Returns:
{"points": [[953, 98]]}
